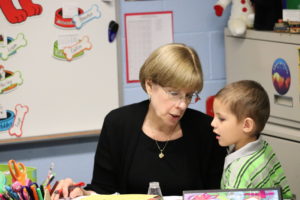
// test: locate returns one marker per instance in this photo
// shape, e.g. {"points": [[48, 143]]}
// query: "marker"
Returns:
{"points": [[34, 192], [54, 187], [1, 196], [25, 193], [48, 187], [6, 196], [47, 195], [11, 193], [112, 30], [50, 179], [38, 190], [42, 190]]}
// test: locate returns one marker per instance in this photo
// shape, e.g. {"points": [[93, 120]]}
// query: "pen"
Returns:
{"points": [[70, 188], [79, 184], [50, 175]]}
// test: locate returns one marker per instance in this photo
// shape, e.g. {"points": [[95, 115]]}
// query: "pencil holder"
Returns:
{"points": [[31, 173]]}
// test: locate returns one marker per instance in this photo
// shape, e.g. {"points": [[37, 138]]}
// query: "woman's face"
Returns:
{"points": [[165, 105]]}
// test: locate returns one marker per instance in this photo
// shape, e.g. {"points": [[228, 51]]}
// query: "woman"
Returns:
{"points": [[159, 139]]}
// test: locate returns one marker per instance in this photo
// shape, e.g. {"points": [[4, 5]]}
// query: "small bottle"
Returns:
{"points": [[154, 189]]}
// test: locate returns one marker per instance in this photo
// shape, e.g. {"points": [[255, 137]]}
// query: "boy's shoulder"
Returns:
{"points": [[260, 153]]}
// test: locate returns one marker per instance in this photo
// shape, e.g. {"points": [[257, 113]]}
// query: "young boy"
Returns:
{"points": [[241, 110]]}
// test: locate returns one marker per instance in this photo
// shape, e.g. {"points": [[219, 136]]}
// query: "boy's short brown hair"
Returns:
{"points": [[247, 98]]}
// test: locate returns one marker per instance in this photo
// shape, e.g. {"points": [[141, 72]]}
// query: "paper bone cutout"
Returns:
{"points": [[17, 126], [16, 78], [14, 45], [80, 20], [82, 45]]}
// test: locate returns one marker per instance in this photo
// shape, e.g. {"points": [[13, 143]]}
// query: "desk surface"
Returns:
{"points": [[123, 197]]}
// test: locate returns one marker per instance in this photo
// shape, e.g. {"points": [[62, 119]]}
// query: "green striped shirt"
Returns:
{"points": [[254, 166]]}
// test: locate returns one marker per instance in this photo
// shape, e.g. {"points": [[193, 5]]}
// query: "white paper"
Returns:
{"points": [[2, 73], [172, 197], [144, 33], [291, 15], [67, 40], [69, 10], [3, 114]]}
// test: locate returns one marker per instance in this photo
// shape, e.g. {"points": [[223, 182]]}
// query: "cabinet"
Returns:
{"points": [[273, 59]]}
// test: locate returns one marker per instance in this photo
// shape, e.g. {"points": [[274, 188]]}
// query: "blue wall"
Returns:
{"points": [[196, 25]]}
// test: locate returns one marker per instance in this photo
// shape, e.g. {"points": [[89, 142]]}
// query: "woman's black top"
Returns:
{"points": [[126, 160]]}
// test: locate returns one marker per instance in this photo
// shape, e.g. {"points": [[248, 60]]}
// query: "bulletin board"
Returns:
{"points": [[59, 69]]}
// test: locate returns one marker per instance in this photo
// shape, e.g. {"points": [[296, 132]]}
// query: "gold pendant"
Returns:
{"points": [[161, 155]]}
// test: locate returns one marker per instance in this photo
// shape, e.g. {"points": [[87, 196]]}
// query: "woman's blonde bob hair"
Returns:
{"points": [[173, 65]]}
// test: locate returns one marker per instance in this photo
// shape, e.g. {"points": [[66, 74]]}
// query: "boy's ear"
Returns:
{"points": [[248, 125]]}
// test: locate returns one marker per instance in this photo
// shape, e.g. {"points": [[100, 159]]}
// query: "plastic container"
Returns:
{"points": [[154, 189]]}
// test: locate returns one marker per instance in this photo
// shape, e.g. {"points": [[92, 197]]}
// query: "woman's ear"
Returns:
{"points": [[249, 125], [148, 84]]}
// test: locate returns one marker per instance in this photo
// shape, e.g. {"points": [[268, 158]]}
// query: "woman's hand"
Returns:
{"points": [[62, 190]]}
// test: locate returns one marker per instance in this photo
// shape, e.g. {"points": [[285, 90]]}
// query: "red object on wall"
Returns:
{"points": [[15, 15], [209, 105]]}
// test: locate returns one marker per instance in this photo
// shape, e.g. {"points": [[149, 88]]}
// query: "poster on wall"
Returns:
{"points": [[145, 32]]}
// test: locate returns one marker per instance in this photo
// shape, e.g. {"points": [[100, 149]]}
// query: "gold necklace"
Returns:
{"points": [[161, 154]]}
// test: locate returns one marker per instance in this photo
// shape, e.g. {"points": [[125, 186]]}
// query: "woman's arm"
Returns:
{"points": [[104, 179]]}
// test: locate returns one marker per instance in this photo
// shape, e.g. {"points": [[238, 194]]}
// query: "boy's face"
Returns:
{"points": [[228, 129]]}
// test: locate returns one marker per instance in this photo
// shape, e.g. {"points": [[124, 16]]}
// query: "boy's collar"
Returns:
{"points": [[248, 149]]}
